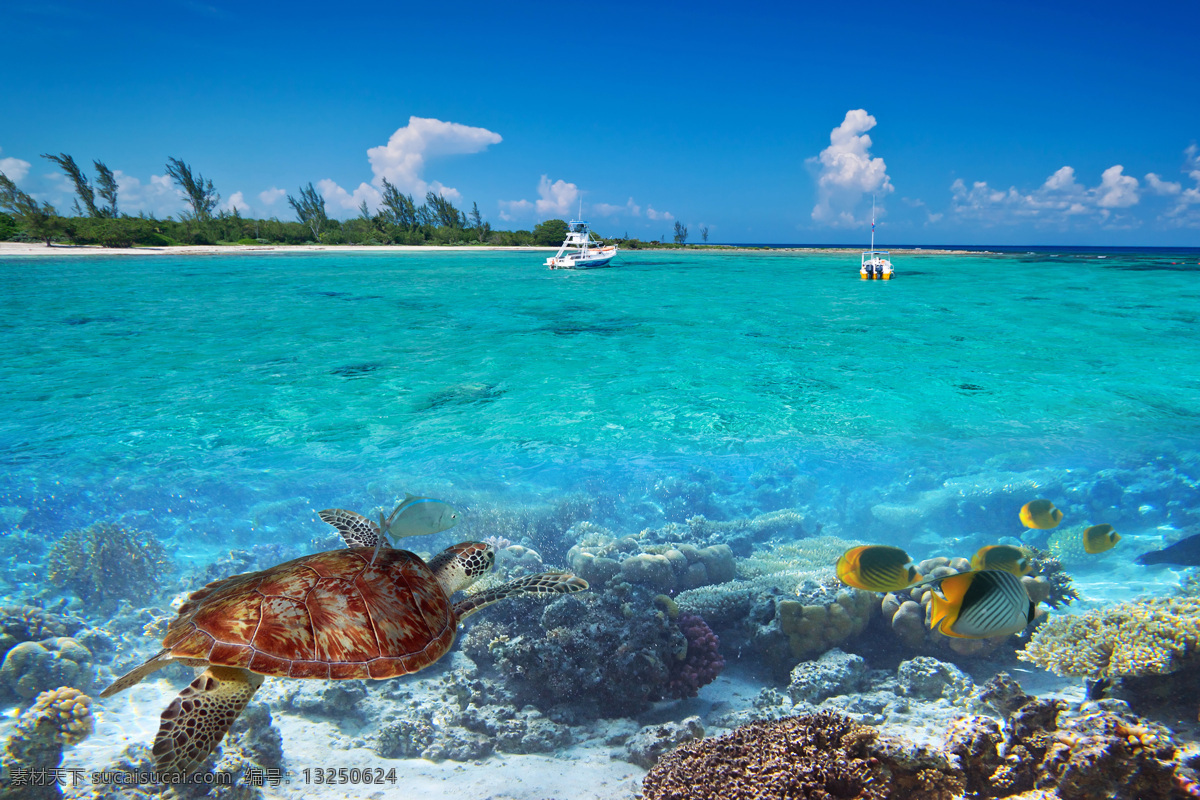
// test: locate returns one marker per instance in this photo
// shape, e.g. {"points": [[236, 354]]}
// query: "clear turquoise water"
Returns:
{"points": [[126, 381]]}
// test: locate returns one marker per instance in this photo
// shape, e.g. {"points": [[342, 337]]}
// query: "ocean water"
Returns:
{"points": [[218, 401]]}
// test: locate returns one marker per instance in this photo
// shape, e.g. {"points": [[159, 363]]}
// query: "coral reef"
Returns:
{"points": [[33, 667], [832, 674], [930, 679], [908, 612], [585, 656], [32, 624], [106, 563], [58, 718], [649, 744], [599, 558], [1143, 637], [822, 755], [702, 663]]}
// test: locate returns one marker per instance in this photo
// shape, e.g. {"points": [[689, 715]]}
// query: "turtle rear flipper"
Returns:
{"points": [[356, 530], [196, 721], [545, 583], [135, 675]]}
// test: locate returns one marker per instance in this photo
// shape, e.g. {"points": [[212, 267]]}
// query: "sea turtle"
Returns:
{"points": [[361, 612]]}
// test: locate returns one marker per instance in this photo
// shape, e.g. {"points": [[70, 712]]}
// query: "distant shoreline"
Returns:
{"points": [[32, 249]]}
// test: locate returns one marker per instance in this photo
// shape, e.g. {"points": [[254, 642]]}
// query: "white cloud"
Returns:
{"points": [[15, 168], [1157, 185], [159, 197], [1117, 190], [271, 196], [402, 162], [556, 199], [337, 198], [238, 200], [515, 209], [402, 159], [608, 210], [1059, 200], [848, 172], [1182, 214], [663, 215]]}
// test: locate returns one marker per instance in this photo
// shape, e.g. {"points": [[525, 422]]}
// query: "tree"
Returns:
{"points": [[441, 212], [106, 187], [201, 195], [310, 208], [364, 213], [39, 220], [550, 232], [482, 229], [704, 233], [680, 233], [400, 206], [82, 187]]}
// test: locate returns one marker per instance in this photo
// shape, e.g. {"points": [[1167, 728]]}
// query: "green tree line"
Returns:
{"points": [[399, 220]]}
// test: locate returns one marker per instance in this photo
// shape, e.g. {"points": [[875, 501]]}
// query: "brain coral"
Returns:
{"points": [[816, 756], [1144, 637]]}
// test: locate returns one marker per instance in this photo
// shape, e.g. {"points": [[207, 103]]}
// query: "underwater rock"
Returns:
{"points": [[821, 755], [1108, 755], [649, 744], [975, 741], [599, 558], [421, 736], [1003, 694], [931, 679], [336, 699], [834, 673], [58, 718], [255, 732], [33, 667]]}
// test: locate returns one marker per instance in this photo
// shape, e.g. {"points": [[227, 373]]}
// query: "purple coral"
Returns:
{"points": [[703, 662]]}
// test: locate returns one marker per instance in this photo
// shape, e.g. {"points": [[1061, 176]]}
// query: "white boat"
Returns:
{"points": [[875, 263], [580, 251]]}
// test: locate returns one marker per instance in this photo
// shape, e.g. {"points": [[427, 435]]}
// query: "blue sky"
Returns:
{"points": [[973, 123]]}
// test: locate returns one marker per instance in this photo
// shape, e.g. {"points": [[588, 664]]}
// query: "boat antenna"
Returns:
{"points": [[872, 223]]}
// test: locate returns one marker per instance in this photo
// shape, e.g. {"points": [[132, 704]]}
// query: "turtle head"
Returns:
{"points": [[460, 565]]}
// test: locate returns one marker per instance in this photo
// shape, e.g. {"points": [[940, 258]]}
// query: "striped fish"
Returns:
{"points": [[981, 604], [877, 568]]}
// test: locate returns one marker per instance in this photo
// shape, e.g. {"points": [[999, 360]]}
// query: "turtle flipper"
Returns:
{"points": [[135, 675], [356, 530], [196, 721], [545, 583]]}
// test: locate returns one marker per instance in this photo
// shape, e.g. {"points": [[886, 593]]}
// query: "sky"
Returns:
{"points": [[976, 123]]}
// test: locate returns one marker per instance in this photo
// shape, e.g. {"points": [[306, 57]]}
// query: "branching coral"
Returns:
{"points": [[58, 718], [821, 755], [1144, 637], [107, 563]]}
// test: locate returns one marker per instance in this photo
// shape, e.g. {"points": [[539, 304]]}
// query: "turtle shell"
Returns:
{"points": [[327, 615]]}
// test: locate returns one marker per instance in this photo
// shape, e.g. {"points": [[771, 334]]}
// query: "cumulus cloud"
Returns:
{"points": [[848, 172], [607, 210], [238, 201], [663, 215], [402, 162], [402, 159], [515, 209], [15, 168], [159, 197], [338, 199], [557, 199], [1185, 213], [1059, 199], [270, 197]]}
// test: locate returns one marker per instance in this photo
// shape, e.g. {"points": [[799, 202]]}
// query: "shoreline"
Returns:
{"points": [[32, 249]]}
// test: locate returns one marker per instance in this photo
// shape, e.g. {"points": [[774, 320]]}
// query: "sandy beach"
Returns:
{"points": [[37, 249]]}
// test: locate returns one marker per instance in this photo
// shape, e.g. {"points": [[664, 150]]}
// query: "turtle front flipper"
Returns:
{"points": [[356, 530], [196, 721], [135, 675], [545, 583]]}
